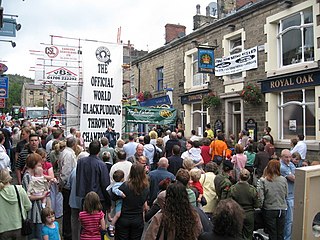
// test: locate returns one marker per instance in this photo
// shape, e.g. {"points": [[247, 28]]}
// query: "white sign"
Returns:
{"points": [[101, 105], [239, 62], [61, 53], [62, 74]]}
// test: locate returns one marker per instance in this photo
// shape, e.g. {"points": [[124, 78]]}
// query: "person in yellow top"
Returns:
{"points": [[209, 132]]}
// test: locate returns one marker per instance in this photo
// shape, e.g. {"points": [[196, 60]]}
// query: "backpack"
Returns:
{"points": [[156, 155]]}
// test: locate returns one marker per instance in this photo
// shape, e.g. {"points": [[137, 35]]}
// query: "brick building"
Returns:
{"points": [[283, 39]]}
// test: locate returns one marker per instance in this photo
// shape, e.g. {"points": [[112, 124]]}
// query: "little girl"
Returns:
{"points": [[38, 185], [92, 218], [50, 229]]}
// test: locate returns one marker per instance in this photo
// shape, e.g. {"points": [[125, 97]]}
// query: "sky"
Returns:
{"points": [[141, 21]]}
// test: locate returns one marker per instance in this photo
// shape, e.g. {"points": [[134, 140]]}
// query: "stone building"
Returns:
{"points": [[281, 37]]}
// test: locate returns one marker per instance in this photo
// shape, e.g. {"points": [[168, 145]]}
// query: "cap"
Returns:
{"points": [[244, 174], [228, 164]]}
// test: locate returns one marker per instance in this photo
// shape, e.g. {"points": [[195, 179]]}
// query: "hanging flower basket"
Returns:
{"points": [[211, 100], [251, 93], [142, 96]]}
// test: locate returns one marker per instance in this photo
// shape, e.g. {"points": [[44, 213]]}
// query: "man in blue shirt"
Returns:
{"points": [[156, 176], [287, 170]]}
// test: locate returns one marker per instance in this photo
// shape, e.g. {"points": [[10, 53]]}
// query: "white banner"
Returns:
{"points": [[101, 106], [239, 62], [67, 75], [61, 53]]}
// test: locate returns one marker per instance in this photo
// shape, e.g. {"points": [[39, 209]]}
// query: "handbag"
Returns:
{"points": [[254, 178], [26, 226]]}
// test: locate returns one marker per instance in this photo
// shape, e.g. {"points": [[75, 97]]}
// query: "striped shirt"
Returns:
{"points": [[90, 224], [21, 161]]}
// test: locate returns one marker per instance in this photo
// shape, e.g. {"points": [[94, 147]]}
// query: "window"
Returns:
{"points": [[295, 36], [297, 114], [198, 79], [31, 92], [233, 43], [235, 47], [199, 117], [160, 79]]}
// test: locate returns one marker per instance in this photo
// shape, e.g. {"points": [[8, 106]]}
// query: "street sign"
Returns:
{"points": [[4, 87], [9, 27], [2, 103]]}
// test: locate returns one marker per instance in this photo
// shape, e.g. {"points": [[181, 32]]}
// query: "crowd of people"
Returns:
{"points": [[154, 186]]}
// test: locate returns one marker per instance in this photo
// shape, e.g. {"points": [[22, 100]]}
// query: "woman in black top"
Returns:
{"points": [[130, 224]]}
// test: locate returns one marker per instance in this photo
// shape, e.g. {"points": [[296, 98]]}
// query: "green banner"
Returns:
{"points": [[146, 115]]}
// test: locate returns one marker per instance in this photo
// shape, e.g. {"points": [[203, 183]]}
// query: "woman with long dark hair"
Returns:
{"points": [[177, 219], [273, 190], [130, 224]]}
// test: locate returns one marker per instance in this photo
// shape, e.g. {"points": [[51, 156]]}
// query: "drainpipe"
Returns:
{"points": [[139, 75]]}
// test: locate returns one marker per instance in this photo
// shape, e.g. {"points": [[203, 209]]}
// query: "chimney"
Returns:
{"points": [[241, 3], [174, 31], [200, 20]]}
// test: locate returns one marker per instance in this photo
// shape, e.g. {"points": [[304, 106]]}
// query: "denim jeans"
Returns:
{"points": [[289, 219]]}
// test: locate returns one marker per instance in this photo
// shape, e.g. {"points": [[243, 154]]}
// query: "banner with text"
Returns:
{"points": [[145, 115], [102, 90], [235, 63]]}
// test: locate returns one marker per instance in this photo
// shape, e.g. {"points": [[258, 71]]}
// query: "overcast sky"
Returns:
{"points": [[141, 21]]}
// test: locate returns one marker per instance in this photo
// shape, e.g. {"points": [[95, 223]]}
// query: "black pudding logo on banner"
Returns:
{"points": [[103, 55]]}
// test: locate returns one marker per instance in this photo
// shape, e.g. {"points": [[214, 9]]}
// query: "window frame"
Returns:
{"points": [[160, 79], [229, 50], [272, 45], [189, 61], [302, 104], [301, 27]]}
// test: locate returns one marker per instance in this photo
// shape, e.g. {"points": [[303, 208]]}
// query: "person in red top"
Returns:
{"points": [[92, 218], [46, 166], [195, 175], [205, 150]]}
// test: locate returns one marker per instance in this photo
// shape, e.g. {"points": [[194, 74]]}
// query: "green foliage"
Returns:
{"points": [[15, 88], [211, 100]]}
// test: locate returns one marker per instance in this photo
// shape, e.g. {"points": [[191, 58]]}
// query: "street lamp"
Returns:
{"points": [[13, 44]]}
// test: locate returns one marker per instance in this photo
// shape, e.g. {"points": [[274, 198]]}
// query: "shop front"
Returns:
{"points": [[293, 106]]}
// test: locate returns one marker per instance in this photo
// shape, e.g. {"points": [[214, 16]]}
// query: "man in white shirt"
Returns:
{"points": [[166, 137], [301, 147], [130, 147], [123, 165]]}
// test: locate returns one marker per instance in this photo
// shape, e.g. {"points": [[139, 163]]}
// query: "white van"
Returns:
{"points": [[37, 114]]}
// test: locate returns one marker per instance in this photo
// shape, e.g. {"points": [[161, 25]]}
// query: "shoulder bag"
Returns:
{"points": [[26, 228], [161, 227]]}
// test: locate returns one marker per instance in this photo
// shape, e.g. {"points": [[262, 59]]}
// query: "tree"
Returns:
{"points": [[15, 90]]}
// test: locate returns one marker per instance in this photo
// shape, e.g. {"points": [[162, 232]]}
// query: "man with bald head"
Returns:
{"points": [[170, 143], [156, 176], [287, 170]]}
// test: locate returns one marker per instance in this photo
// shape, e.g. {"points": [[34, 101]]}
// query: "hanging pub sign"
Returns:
{"points": [[205, 60]]}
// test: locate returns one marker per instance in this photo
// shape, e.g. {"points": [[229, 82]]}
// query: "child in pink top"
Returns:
{"points": [[239, 160], [92, 218]]}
